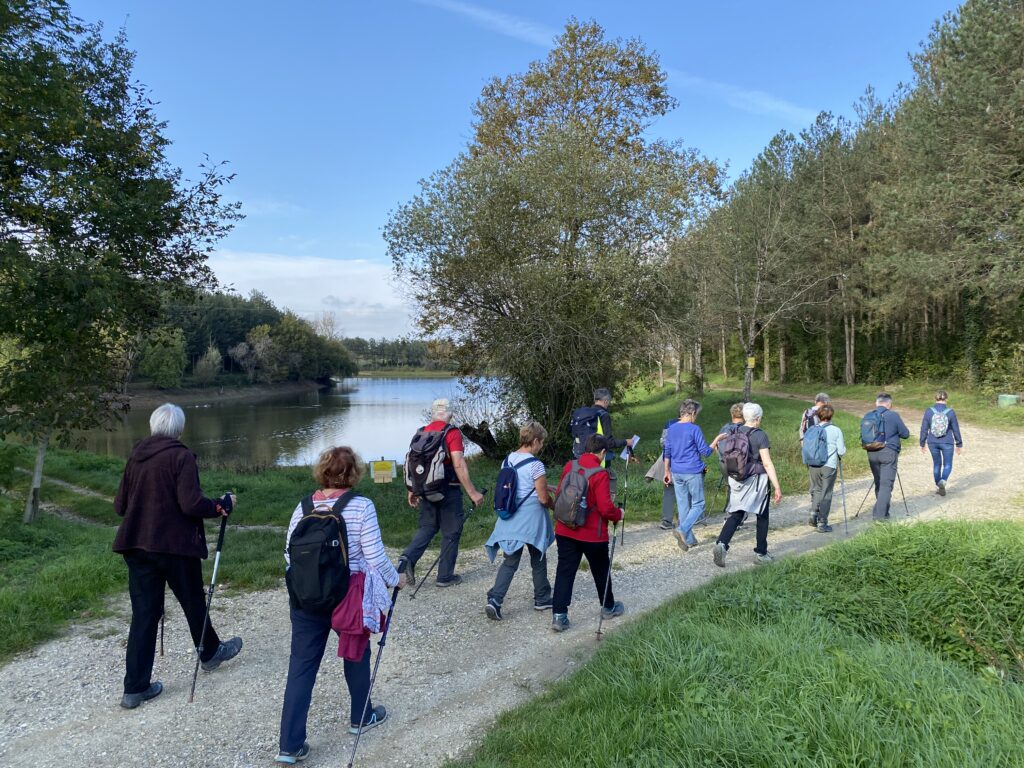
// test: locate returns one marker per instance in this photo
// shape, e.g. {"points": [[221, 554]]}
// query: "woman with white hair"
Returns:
{"points": [[163, 543], [749, 494]]}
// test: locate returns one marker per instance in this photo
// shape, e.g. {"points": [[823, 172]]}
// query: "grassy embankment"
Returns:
{"points": [[69, 553], [902, 647]]}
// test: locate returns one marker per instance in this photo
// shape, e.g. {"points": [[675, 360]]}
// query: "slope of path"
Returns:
{"points": [[447, 672]]}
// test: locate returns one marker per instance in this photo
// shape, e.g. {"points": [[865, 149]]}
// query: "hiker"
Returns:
{"points": [[595, 420], [747, 461], [811, 416], [668, 495], [163, 543], [590, 540], [360, 612], [940, 430], [529, 527], [684, 447], [881, 431], [827, 439], [444, 511], [735, 422]]}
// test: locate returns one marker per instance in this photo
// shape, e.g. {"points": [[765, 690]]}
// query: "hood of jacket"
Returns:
{"points": [[152, 446]]}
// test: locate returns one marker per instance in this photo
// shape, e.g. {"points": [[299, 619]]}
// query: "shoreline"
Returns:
{"points": [[151, 398]]}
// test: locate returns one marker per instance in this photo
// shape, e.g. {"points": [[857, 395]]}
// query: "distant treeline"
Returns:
{"points": [[377, 354]]}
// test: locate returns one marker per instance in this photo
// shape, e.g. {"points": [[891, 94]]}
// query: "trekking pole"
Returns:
{"points": [[209, 601], [608, 580], [483, 492], [625, 493], [163, 616], [907, 508], [862, 501], [402, 562], [842, 488]]}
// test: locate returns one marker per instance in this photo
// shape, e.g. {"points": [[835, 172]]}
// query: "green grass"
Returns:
{"points": [[976, 408], [843, 658]]}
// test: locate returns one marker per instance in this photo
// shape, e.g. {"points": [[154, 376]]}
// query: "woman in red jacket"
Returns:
{"points": [[590, 540]]}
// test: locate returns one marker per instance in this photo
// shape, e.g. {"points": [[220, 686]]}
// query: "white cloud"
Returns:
{"points": [[360, 292], [510, 26], [747, 100]]}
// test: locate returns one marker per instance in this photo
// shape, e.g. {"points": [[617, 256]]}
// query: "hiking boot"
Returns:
{"points": [[410, 573], [718, 554], [616, 610], [225, 651], [824, 528], [764, 557], [942, 487], [291, 758], [560, 622], [681, 540], [132, 700], [813, 521], [666, 526], [377, 716], [453, 581], [493, 610], [542, 605]]}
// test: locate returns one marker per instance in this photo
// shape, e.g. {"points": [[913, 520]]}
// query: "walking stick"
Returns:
{"points": [[483, 492], [376, 664], [863, 500], [611, 560], [625, 492], [842, 488], [209, 600], [163, 616], [907, 508]]}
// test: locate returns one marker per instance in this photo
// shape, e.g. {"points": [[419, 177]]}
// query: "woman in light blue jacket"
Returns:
{"points": [[530, 527], [823, 478]]}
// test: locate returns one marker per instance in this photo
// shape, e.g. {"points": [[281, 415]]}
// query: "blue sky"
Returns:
{"points": [[330, 112]]}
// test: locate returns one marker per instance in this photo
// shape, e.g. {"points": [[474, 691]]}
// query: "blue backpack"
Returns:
{"points": [[815, 448], [506, 489], [872, 431]]}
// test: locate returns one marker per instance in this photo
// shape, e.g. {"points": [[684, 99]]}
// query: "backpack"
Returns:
{"points": [[808, 420], [583, 423], [318, 575], [424, 464], [815, 448], [872, 431], [506, 488], [940, 423], [571, 501], [734, 455]]}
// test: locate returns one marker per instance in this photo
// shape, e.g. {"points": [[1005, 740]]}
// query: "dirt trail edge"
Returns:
{"points": [[448, 670]]}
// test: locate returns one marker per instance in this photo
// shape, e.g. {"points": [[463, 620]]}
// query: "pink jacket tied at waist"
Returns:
{"points": [[361, 612]]}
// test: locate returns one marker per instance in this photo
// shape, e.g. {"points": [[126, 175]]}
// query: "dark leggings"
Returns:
{"points": [[761, 535]]}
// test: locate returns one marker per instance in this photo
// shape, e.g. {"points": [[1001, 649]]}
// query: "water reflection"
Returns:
{"points": [[375, 416]]}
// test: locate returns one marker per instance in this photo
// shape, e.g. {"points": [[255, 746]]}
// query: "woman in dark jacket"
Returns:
{"points": [[162, 541]]}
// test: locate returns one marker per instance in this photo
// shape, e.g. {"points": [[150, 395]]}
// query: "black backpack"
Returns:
{"points": [[583, 424], [318, 576], [735, 455], [425, 474]]}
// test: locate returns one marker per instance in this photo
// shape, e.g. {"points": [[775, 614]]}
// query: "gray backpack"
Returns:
{"points": [[571, 501]]}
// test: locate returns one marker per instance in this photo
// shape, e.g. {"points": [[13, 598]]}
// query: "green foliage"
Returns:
{"points": [[844, 658], [208, 366], [163, 358]]}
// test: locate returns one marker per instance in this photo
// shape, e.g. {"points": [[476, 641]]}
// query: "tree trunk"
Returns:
{"points": [[725, 369], [698, 364], [782, 361], [748, 375], [766, 371], [482, 436], [661, 374], [678, 383], [828, 349], [32, 503]]}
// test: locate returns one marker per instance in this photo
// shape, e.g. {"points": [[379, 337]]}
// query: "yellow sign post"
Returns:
{"points": [[751, 362], [383, 471]]}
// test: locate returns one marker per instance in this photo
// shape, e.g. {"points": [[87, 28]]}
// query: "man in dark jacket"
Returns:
{"points": [[595, 419], [163, 543], [883, 462]]}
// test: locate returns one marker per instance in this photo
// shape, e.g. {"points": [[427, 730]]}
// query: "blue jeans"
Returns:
{"points": [[942, 460], [689, 501]]}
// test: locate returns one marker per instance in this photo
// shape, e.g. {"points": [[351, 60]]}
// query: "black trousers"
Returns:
{"points": [[148, 572], [570, 552], [446, 516], [735, 520]]}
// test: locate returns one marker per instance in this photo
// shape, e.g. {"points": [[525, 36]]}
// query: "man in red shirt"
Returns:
{"points": [[590, 540], [445, 515]]}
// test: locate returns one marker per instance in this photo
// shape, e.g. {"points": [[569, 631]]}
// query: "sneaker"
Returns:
{"points": [[942, 487], [666, 526], [824, 528], [560, 622], [681, 540], [718, 554], [493, 610], [764, 557], [694, 543], [132, 700], [377, 716], [410, 573], [813, 521], [542, 605], [225, 651], [291, 758], [616, 610], [455, 580]]}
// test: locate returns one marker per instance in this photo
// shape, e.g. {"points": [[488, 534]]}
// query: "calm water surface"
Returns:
{"points": [[376, 416]]}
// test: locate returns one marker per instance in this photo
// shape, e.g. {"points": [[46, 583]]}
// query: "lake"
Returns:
{"points": [[375, 416]]}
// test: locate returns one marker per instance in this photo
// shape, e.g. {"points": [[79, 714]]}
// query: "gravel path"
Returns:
{"points": [[448, 670]]}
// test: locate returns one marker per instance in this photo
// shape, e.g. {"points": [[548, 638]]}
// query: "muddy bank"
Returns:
{"points": [[151, 398]]}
